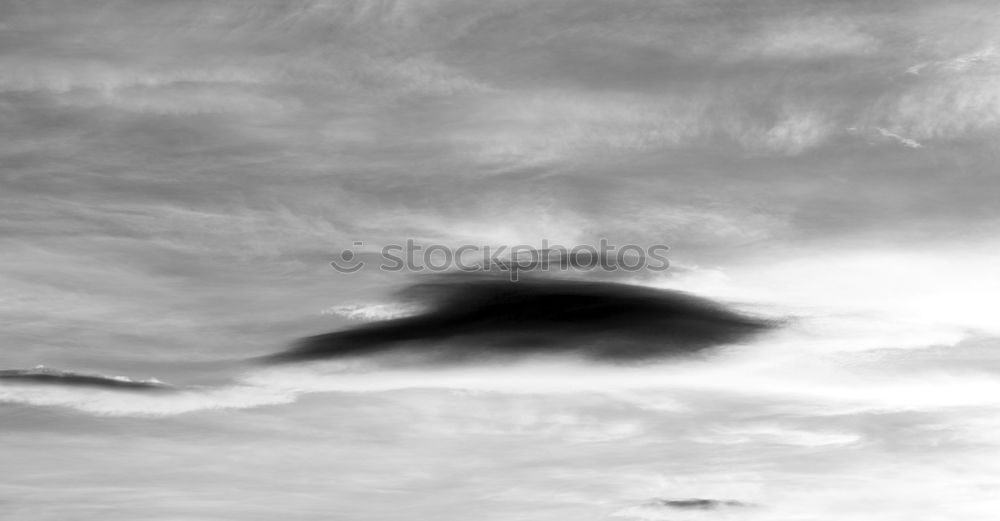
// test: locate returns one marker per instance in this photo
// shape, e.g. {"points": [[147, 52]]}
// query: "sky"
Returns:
{"points": [[161, 158], [176, 176]]}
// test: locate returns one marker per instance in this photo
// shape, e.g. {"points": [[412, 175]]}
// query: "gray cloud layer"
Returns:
{"points": [[172, 171]]}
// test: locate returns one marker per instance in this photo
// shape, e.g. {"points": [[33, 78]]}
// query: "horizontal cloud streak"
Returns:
{"points": [[44, 375]]}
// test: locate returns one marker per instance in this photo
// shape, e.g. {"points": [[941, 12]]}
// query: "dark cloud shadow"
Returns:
{"points": [[696, 504], [43, 375], [476, 316]]}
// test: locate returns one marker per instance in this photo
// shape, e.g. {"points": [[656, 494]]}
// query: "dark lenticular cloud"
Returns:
{"points": [[482, 316], [44, 375], [696, 504]]}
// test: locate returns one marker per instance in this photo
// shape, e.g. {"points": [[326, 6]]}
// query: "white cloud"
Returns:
{"points": [[775, 434], [184, 101], [118, 403], [810, 39], [792, 133], [537, 129], [61, 77], [948, 108], [906, 142], [978, 59], [369, 312]]}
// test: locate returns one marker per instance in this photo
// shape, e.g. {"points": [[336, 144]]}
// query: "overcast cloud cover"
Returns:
{"points": [[175, 177]]}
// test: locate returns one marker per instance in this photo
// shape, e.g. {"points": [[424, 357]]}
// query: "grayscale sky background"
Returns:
{"points": [[175, 177]]}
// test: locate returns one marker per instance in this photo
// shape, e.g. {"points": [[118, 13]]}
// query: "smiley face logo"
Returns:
{"points": [[347, 262]]}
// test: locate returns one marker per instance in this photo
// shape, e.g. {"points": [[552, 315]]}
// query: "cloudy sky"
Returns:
{"points": [[176, 177]]}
